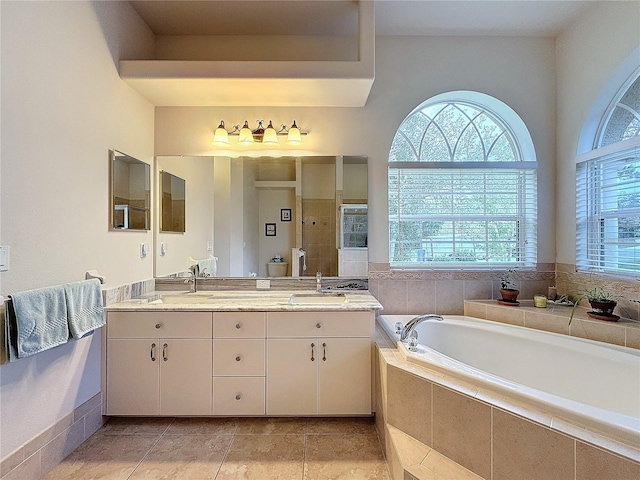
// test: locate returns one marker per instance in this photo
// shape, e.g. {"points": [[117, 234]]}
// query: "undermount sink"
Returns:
{"points": [[317, 298]]}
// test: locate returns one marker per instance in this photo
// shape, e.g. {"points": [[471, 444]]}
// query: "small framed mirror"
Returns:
{"points": [[173, 215], [129, 192]]}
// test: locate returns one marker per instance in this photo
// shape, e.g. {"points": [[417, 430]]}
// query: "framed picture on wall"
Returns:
{"points": [[285, 214], [270, 229]]}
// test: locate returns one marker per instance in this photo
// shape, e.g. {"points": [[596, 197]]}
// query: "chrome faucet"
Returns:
{"points": [[414, 322], [318, 281], [193, 279]]}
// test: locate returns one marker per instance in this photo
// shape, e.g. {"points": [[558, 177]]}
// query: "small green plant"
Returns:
{"points": [[596, 294], [505, 280]]}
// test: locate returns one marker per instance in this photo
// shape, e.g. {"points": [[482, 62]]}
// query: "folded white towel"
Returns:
{"points": [[38, 321], [85, 311]]}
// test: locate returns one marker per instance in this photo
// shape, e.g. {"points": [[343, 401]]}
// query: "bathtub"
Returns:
{"points": [[593, 384]]}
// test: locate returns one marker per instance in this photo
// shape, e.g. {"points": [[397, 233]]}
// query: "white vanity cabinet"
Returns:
{"points": [[319, 363], [239, 363], [159, 363]]}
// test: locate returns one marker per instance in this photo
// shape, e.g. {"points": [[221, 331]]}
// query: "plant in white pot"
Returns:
{"points": [[508, 289]]}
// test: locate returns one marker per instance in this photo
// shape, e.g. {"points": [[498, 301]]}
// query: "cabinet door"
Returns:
{"points": [[185, 376], [344, 376], [132, 376], [292, 376]]}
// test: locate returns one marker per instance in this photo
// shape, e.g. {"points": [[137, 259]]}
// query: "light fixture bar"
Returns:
{"points": [[266, 136]]}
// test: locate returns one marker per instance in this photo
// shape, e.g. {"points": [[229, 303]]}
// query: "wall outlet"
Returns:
{"points": [[144, 250], [263, 284]]}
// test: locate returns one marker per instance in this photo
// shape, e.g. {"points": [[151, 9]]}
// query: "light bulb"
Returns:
{"points": [[293, 137], [246, 135], [270, 136], [221, 136]]}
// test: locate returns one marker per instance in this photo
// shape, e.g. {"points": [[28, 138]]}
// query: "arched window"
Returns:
{"points": [[462, 186], [608, 189]]}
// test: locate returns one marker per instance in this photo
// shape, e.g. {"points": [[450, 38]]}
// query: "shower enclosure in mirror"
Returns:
{"points": [[232, 199], [129, 192]]}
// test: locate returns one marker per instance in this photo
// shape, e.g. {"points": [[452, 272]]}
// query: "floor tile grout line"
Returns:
{"points": [[226, 453], [149, 451]]}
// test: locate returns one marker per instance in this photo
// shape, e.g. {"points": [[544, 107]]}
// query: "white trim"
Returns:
{"points": [[609, 150]]}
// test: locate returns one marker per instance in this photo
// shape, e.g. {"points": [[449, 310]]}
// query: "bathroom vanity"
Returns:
{"points": [[240, 353]]}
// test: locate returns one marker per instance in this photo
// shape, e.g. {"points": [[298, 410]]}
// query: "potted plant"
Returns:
{"points": [[602, 304], [507, 287]]}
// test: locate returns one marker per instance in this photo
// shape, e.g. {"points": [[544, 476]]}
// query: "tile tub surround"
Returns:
{"points": [[492, 436], [406, 292], [555, 318], [40, 455], [228, 448]]}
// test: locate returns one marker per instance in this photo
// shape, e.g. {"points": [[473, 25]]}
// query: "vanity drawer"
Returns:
{"points": [[238, 357], [238, 395], [239, 324], [159, 324], [319, 324]]}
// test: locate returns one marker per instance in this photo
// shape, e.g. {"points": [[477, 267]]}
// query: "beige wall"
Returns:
{"points": [[63, 107], [588, 55]]}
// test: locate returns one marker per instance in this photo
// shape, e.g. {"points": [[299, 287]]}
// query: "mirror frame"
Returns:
{"points": [[113, 156]]}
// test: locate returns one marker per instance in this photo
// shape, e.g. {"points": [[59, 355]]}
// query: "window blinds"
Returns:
{"points": [[454, 214], [608, 213]]}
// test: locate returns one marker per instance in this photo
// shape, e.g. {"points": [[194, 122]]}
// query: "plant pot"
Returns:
{"points": [[509, 294], [604, 308]]}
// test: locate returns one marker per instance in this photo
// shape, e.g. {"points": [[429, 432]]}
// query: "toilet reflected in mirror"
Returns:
{"points": [[277, 269]]}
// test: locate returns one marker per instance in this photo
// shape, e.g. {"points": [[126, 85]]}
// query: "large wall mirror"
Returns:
{"points": [[267, 217], [129, 193]]}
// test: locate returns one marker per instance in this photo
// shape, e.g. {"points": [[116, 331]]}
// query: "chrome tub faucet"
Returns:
{"points": [[408, 329], [319, 282]]}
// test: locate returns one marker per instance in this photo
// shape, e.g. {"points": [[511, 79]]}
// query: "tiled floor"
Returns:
{"points": [[228, 448]]}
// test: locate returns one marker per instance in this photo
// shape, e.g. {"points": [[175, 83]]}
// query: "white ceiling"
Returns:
{"points": [[339, 17]]}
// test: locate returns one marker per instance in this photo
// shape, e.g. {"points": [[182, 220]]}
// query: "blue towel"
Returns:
{"points": [[40, 318], [84, 307]]}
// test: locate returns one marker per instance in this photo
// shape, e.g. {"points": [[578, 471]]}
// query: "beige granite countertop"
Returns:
{"points": [[243, 300]]}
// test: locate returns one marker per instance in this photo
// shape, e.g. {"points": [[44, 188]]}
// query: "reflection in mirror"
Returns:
{"points": [[238, 197], [129, 194], [172, 217]]}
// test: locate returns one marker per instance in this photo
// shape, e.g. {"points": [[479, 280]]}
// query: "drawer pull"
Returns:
{"points": [[238, 396], [324, 352], [158, 325], [153, 352], [318, 325], [164, 352], [238, 358], [238, 326], [312, 357]]}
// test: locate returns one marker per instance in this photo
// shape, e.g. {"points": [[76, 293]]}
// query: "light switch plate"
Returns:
{"points": [[263, 284]]}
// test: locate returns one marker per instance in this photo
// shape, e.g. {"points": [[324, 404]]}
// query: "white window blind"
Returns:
{"points": [[463, 215], [608, 213]]}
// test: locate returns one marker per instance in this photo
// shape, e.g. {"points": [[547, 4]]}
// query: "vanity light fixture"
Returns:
{"points": [[266, 136]]}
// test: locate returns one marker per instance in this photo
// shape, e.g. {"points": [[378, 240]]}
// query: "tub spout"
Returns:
{"points": [[406, 332]]}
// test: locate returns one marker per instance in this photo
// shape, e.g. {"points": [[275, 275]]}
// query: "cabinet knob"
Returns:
{"points": [[238, 397], [238, 358], [238, 326], [318, 325], [158, 325]]}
